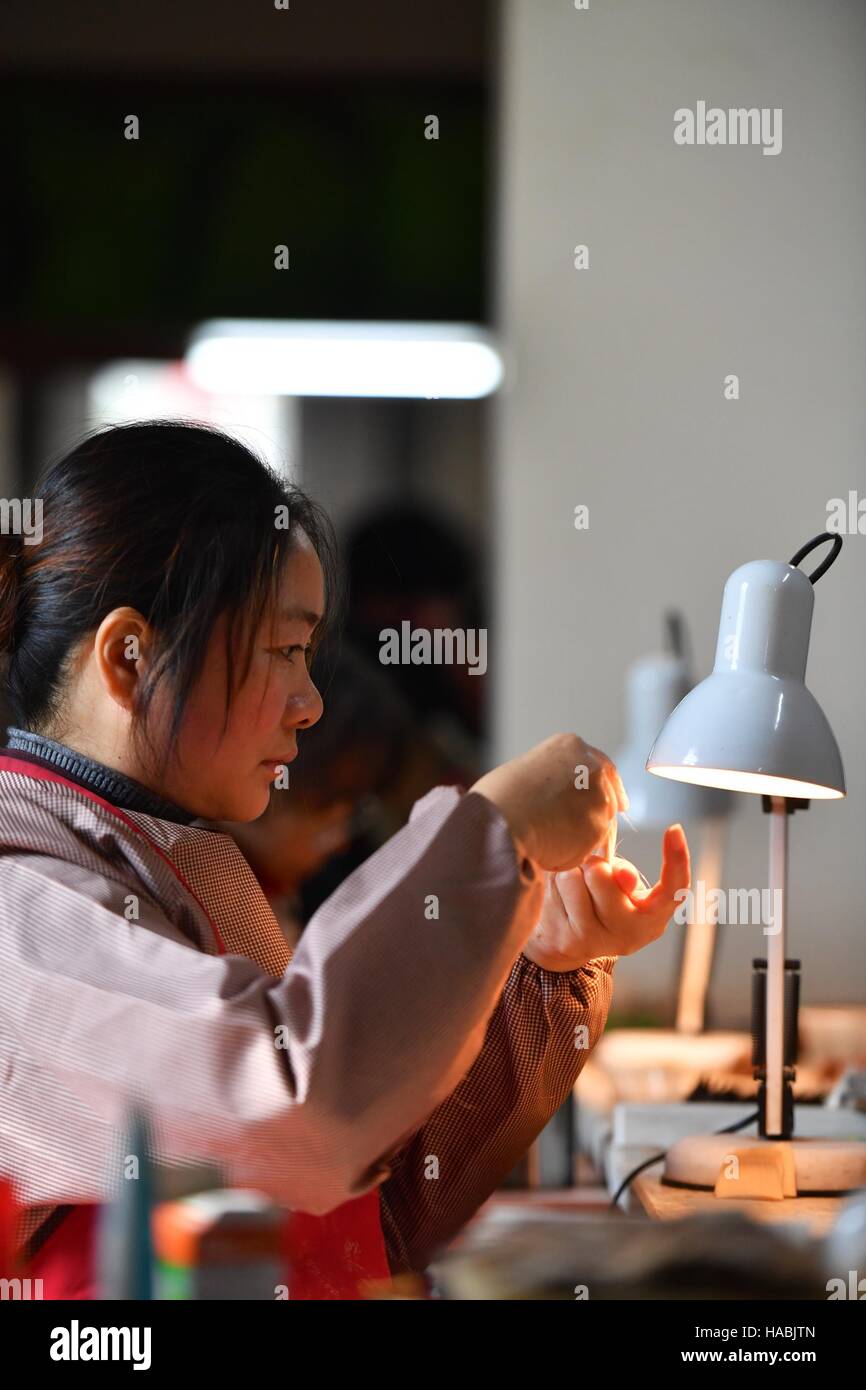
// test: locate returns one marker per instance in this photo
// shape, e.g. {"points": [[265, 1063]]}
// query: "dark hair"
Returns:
{"points": [[174, 519]]}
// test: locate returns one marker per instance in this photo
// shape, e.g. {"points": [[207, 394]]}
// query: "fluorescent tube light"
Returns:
{"points": [[320, 358]]}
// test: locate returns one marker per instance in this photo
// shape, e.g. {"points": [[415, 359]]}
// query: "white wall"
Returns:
{"points": [[703, 261]]}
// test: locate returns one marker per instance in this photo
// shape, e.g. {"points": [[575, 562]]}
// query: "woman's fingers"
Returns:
{"points": [[611, 902], [574, 896], [612, 796], [605, 901], [536, 795], [620, 796], [626, 876], [606, 845], [607, 882], [675, 874]]}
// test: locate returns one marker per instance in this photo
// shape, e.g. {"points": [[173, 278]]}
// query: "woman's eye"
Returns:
{"points": [[288, 652]]}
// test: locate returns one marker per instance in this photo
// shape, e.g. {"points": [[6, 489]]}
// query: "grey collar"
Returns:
{"points": [[122, 791]]}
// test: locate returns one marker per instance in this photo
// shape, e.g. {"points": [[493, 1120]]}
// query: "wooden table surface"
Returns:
{"points": [[670, 1203]]}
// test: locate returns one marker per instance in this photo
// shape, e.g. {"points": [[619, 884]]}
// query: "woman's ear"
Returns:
{"points": [[121, 650]]}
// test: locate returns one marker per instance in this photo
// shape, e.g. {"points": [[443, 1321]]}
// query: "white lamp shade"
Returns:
{"points": [[654, 686], [752, 725]]}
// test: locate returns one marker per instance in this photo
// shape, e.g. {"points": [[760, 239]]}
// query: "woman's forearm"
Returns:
{"points": [[538, 1038]]}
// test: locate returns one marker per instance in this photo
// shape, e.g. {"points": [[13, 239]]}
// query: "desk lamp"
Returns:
{"points": [[752, 726]]}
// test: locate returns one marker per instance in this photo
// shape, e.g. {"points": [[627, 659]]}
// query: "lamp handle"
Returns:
{"points": [[828, 559]]}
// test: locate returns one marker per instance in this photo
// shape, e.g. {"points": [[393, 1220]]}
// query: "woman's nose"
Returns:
{"points": [[312, 705]]}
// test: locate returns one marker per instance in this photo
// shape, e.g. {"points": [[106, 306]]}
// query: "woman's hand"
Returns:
{"points": [[602, 909], [560, 800]]}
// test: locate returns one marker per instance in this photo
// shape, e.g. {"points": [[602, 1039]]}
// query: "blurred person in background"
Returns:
{"points": [[408, 563], [320, 826]]}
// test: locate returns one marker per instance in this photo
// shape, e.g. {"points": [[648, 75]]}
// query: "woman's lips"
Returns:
{"points": [[279, 762]]}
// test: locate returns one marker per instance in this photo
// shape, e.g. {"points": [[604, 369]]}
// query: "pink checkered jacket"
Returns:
{"points": [[389, 1039]]}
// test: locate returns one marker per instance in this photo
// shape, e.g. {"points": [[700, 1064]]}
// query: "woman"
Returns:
{"points": [[158, 640]]}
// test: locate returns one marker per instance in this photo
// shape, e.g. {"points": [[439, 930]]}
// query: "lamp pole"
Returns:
{"points": [[775, 1014]]}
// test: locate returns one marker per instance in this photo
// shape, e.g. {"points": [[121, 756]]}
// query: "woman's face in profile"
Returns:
{"points": [[226, 775]]}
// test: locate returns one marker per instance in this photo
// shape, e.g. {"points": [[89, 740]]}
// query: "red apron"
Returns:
{"points": [[329, 1257]]}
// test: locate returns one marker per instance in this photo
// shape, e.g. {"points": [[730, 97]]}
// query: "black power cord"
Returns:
{"points": [[656, 1158]]}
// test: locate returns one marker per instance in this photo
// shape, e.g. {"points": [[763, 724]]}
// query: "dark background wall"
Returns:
{"points": [[258, 127]]}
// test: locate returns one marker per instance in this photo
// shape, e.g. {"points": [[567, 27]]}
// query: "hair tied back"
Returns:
{"points": [[10, 582]]}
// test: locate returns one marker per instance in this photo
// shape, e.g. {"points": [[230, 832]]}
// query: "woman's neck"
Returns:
{"points": [[77, 765]]}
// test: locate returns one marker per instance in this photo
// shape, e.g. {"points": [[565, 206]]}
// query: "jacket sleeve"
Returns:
{"points": [[538, 1038], [297, 1087]]}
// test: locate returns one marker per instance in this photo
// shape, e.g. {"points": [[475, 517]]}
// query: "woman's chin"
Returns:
{"points": [[245, 806]]}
